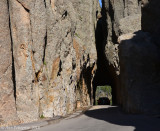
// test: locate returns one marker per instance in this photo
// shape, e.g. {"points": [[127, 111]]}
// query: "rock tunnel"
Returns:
{"points": [[105, 73], [49, 52], [127, 50]]}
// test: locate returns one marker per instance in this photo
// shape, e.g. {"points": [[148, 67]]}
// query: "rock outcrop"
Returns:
{"points": [[48, 57], [7, 101], [132, 55]]}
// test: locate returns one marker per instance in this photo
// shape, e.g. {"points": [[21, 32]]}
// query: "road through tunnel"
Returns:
{"points": [[127, 43], [105, 73]]}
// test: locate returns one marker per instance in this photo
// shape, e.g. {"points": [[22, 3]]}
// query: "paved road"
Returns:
{"points": [[106, 118]]}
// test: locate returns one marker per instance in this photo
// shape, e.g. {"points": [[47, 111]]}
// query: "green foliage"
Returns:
{"points": [[104, 88], [110, 101], [80, 17], [45, 63], [42, 117], [77, 35], [104, 91]]}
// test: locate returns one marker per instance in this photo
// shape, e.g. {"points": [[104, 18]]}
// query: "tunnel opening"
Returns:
{"points": [[105, 74], [122, 63], [103, 95]]}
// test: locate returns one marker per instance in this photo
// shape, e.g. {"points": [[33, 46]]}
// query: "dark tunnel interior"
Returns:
{"points": [[102, 76]]}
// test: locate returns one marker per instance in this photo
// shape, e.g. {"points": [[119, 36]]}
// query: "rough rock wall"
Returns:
{"points": [[133, 55], [52, 59], [119, 17], [122, 17], [7, 100], [151, 17]]}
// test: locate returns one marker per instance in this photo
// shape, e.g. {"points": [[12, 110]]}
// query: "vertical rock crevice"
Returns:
{"points": [[13, 66], [26, 9], [45, 3], [8, 113], [45, 45]]}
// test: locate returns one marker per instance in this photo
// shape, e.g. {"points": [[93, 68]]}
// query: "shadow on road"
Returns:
{"points": [[115, 116]]}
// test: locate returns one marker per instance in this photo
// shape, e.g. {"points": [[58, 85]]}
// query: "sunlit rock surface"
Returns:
{"points": [[52, 61]]}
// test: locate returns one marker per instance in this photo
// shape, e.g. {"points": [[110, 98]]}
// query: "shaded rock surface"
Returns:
{"points": [[132, 56], [140, 77], [53, 57]]}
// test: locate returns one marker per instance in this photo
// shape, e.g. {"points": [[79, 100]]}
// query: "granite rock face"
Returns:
{"points": [[132, 55], [151, 17], [118, 17], [49, 57], [122, 17], [52, 62], [139, 63], [8, 112]]}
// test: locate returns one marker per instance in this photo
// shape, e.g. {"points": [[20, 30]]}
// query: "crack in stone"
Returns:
{"points": [[23, 6], [45, 44], [45, 3], [13, 66]]}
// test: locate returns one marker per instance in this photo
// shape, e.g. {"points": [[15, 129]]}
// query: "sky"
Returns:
{"points": [[100, 1]]}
